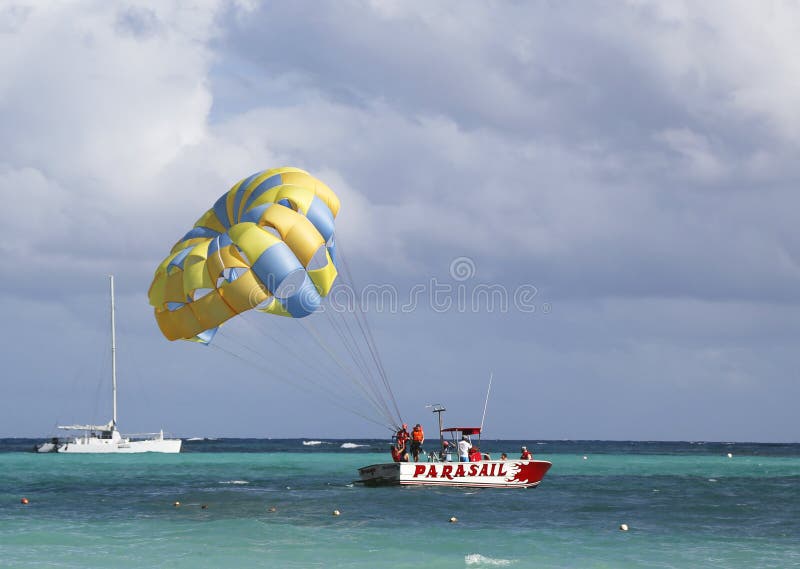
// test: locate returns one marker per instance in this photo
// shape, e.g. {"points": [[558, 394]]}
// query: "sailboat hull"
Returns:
{"points": [[102, 446]]}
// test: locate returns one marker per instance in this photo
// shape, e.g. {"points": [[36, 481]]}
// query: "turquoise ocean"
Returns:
{"points": [[686, 505]]}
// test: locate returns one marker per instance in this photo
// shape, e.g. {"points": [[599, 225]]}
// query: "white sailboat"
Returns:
{"points": [[106, 438]]}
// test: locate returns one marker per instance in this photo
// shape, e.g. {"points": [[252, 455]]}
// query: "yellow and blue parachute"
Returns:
{"points": [[267, 244]]}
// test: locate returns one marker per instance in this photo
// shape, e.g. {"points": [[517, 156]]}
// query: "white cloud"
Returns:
{"points": [[94, 100], [637, 156]]}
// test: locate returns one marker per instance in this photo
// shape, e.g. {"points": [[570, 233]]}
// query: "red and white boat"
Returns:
{"points": [[440, 470]]}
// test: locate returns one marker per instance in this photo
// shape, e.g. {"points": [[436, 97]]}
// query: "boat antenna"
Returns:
{"points": [[438, 408], [113, 357], [486, 403]]}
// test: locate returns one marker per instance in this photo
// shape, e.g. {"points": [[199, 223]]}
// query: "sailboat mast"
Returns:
{"points": [[486, 403], [113, 356]]}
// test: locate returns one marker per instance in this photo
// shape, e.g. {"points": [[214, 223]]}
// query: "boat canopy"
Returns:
{"points": [[464, 430], [107, 427]]}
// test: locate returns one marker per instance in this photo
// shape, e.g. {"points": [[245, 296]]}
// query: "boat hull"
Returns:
{"points": [[46, 447], [483, 474], [117, 445], [99, 446]]}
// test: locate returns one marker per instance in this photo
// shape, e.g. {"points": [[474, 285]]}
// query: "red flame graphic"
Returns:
{"points": [[528, 472]]}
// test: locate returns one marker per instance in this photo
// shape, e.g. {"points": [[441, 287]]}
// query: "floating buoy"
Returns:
{"points": [[623, 527], [204, 507], [24, 501], [585, 458], [453, 520], [272, 509], [336, 512], [176, 504], [730, 455]]}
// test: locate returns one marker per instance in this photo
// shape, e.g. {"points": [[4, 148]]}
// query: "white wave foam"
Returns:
{"points": [[311, 443], [234, 482], [478, 559], [351, 445], [195, 439]]}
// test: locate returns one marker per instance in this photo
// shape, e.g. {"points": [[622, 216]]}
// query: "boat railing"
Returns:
{"points": [[157, 435], [434, 456]]}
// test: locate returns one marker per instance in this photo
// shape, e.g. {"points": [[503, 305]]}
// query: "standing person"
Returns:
{"points": [[417, 438], [526, 454], [402, 436], [475, 454], [445, 452], [463, 449], [504, 456]]}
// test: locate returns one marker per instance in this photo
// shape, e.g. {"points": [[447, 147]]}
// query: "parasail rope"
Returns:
{"points": [[271, 373], [367, 333]]}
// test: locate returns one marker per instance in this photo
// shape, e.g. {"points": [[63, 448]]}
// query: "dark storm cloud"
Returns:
{"points": [[582, 132]]}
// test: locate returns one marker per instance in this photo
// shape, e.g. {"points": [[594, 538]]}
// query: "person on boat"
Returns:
{"points": [[475, 454], [463, 449], [445, 452], [399, 453], [402, 436], [417, 438], [526, 454]]}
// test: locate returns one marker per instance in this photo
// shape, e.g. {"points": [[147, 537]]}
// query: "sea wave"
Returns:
{"points": [[351, 445], [311, 443], [235, 482], [478, 559]]}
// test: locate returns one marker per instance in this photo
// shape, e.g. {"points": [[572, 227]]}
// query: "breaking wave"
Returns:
{"points": [[351, 445], [311, 443], [478, 559]]}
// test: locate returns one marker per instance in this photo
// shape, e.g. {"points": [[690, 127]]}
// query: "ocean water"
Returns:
{"points": [[686, 504]]}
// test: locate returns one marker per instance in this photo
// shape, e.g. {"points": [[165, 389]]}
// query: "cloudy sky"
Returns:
{"points": [[625, 173]]}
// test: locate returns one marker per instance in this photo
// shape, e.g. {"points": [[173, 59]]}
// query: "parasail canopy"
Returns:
{"points": [[267, 244]]}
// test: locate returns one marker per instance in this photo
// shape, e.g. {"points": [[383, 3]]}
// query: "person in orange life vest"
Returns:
{"points": [[417, 438], [526, 454], [475, 454]]}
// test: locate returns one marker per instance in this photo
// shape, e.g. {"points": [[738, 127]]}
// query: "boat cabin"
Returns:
{"points": [[452, 436]]}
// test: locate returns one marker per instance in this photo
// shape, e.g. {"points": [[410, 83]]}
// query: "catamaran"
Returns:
{"points": [[439, 470], [106, 438]]}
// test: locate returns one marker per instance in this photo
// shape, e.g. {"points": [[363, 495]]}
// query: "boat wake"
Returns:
{"points": [[482, 560]]}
